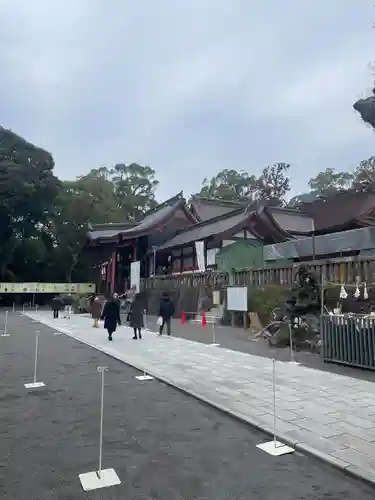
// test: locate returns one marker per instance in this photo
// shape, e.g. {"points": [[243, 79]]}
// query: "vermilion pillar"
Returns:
{"points": [[113, 272]]}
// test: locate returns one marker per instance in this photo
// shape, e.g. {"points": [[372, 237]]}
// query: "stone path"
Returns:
{"points": [[329, 415]]}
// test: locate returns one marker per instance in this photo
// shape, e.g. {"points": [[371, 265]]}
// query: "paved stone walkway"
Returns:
{"points": [[329, 415]]}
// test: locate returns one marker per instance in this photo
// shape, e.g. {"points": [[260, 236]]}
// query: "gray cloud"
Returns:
{"points": [[188, 87]]}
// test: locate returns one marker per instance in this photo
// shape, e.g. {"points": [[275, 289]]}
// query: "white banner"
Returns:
{"points": [[211, 256], [47, 288], [135, 274], [199, 250]]}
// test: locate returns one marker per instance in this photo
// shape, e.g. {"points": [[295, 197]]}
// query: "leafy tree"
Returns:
{"points": [[274, 182], [134, 188], [69, 226], [330, 181], [98, 185], [230, 185], [27, 190], [364, 174]]}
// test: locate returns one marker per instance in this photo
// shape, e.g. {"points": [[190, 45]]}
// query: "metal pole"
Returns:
{"points": [[101, 369], [321, 313], [6, 323], [274, 399], [145, 317], [14, 306], [291, 342], [213, 333], [313, 241], [36, 355], [33, 299], [36, 308], [23, 307]]}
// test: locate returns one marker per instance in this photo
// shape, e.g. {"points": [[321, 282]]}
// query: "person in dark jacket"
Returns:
{"points": [[111, 316], [57, 304], [166, 311], [136, 316]]}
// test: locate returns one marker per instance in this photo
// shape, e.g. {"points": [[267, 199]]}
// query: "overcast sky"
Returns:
{"points": [[189, 86]]}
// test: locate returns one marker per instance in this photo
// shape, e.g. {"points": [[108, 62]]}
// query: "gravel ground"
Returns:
{"points": [[239, 339], [162, 443]]}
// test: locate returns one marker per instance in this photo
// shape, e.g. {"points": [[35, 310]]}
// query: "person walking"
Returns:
{"points": [[96, 311], [166, 311], [136, 316], [111, 316], [57, 304]]}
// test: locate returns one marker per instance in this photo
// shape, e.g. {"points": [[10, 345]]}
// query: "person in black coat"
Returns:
{"points": [[166, 311], [57, 304], [136, 316], [111, 316]]}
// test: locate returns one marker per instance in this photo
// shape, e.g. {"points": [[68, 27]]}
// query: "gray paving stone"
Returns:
{"points": [[352, 419], [316, 441], [318, 428], [357, 459], [356, 443]]}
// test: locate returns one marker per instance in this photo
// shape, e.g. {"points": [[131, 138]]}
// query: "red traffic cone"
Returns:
{"points": [[183, 318], [204, 321]]}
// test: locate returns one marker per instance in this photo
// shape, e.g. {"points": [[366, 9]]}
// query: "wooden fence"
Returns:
{"points": [[349, 270]]}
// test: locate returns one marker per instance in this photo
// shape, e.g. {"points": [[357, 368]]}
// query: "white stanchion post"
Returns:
{"points": [[36, 308], [23, 307], [213, 343], [145, 319], [274, 447], [102, 370], [100, 478], [35, 384], [144, 376], [5, 332], [292, 358], [14, 307]]}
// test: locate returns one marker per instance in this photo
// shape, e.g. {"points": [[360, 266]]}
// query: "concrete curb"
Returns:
{"points": [[347, 469]]}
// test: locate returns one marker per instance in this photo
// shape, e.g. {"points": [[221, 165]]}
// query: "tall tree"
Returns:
{"points": [[27, 191], [134, 187], [274, 182], [74, 210], [364, 174], [230, 185], [330, 181]]}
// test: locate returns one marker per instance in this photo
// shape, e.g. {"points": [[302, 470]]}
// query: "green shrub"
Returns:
{"points": [[263, 300]]}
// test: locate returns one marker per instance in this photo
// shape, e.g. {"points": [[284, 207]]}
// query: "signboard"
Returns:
{"points": [[199, 250], [135, 274], [47, 288], [237, 298], [211, 256]]}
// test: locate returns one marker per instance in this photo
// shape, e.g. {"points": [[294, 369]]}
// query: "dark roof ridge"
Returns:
{"points": [[287, 210], [218, 201], [176, 198], [208, 222]]}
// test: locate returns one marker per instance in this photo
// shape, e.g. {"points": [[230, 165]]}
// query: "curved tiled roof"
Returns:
{"points": [[152, 220]]}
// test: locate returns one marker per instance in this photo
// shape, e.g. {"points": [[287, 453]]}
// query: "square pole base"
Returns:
{"points": [[293, 363], [144, 377], [275, 448], [5, 335], [92, 480], [35, 385], [213, 345]]}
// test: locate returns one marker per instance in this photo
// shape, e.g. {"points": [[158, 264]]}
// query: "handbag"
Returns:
{"points": [[159, 321]]}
